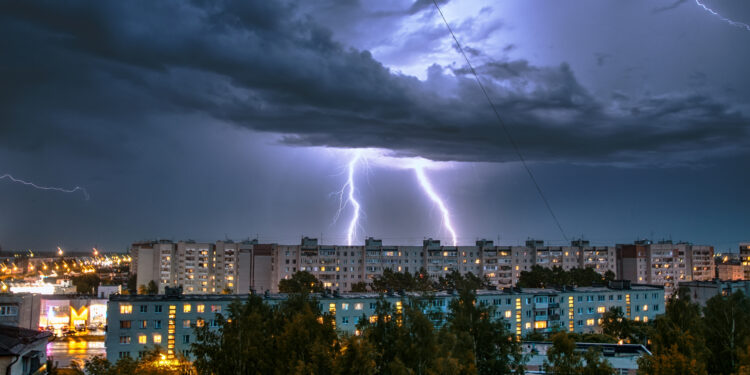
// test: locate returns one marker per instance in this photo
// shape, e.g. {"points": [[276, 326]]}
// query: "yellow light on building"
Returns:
{"points": [[540, 324], [601, 309]]}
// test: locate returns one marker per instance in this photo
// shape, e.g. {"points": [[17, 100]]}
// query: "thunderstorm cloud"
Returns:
{"points": [[99, 69]]}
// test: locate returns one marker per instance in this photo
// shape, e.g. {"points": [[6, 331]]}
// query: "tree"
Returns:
{"points": [[595, 364], [359, 287], [542, 277], [87, 283], [151, 288], [456, 281], [142, 289], [484, 341], [256, 338], [678, 344], [562, 358], [616, 324], [301, 282], [132, 286], [727, 326]]}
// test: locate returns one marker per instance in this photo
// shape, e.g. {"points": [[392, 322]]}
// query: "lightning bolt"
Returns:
{"points": [[727, 20], [348, 191], [427, 186], [35, 186]]}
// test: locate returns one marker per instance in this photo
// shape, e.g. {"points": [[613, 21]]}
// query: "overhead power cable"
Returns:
{"points": [[502, 124]]}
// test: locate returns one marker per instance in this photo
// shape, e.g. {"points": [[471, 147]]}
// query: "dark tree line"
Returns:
{"points": [[295, 337], [542, 277], [684, 341]]}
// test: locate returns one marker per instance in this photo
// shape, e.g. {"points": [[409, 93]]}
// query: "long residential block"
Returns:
{"points": [[136, 323]]}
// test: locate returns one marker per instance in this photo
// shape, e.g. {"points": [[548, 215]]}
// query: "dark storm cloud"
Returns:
{"points": [[86, 74]]}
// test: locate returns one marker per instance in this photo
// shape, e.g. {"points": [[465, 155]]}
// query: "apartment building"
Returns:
{"points": [[339, 267], [136, 323], [238, 267], [745, 259], [664, 263], [201, 267]]}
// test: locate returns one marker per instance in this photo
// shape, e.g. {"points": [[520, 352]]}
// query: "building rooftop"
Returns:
{"points": [[14, 339], [372, 295]]}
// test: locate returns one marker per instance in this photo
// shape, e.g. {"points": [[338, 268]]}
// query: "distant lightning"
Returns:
{"points": [[427, 186], [35, 186], [348, 190], [727, 20]]}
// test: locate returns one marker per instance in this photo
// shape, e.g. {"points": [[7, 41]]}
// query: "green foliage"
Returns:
{"points": [[727, 328], [256, 338], [616, 325], [542, 277], [456, 281], [564, 359], [301, 282], [402, 281], [678, 341], [87, 283], [359, 287], [132, 288], [151, 288], [481, 339]]}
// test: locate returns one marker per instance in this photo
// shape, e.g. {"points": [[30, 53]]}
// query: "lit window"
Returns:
{"points": [[200, 308], [199, 323], [157, 338], [540, 325], [645, 319], [508, 314], [344, 306], [186, 323], [332, 307], [374, 319], [358, 306], [142, 339], [645, 307], [590, 322], [601, 309], [186, 308], [126, 309], [215, 308], [528, 325]]}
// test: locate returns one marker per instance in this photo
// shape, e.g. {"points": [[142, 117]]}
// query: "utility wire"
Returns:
{"points": [[502, 124]]}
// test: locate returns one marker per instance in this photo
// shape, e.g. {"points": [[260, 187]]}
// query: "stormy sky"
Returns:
{"points": [[220, 119]]}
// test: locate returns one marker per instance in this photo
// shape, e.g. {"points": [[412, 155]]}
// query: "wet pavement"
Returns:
{"points": [[63, 351]]}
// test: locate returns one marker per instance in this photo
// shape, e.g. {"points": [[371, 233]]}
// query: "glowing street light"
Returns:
{"points": [[96, 252], [59, 251]]}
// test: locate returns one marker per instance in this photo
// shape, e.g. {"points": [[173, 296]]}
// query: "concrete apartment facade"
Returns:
{"points": [[702, 291], [664, 263], [135, 323], [745, 259], [204, 268]]}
